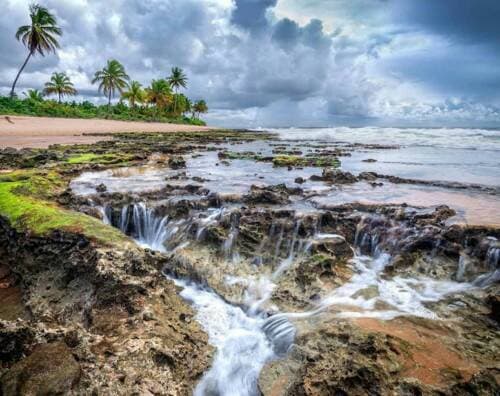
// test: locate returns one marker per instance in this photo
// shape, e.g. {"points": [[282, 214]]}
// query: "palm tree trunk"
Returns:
{"points": [[175, 102], [109, 100], [19, 73], [59, 94]]}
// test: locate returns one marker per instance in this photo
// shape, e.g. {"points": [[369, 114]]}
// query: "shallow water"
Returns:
{"points": [[459, 155], [244, 337], [472, 207]]}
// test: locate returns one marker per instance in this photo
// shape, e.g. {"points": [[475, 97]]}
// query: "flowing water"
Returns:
{"points": [[246, 337]]}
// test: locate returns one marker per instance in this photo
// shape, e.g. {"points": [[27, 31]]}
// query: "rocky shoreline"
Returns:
{"points": [[89, 311]]}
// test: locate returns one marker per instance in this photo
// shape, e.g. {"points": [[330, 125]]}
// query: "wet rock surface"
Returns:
{"points": [[349, 299], [107, 309]]}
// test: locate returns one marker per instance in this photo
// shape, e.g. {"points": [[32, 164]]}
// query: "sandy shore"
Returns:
{"points": [[22, 131]]}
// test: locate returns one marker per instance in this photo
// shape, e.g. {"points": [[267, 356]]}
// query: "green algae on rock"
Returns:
{"points": [[297, 161], [24, 202]]}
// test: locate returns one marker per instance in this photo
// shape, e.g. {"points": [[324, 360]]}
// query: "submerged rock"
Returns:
{"points": [[335, 176], [176, 162]]}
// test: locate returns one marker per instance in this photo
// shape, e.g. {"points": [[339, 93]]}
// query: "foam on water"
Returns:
{"points": [[242, 346], [473, 139], [245, 341], [244, 337]]}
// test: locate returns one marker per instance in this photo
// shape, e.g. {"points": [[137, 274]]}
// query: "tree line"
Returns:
{"points": [[161, 97]]}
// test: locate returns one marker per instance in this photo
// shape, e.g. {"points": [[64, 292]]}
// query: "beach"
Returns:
{"points": [[41, 132]]}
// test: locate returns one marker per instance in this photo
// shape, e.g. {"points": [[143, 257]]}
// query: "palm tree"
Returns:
{"points": [[59, 84], [34, 94], [189, 106], [159, 93], [176, 80], [39, 37], [111, 78], [200, 107], [135, 94]]}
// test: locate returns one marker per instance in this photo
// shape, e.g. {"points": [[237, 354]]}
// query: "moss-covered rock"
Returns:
{"points": [[24, 203], [298, 161]]}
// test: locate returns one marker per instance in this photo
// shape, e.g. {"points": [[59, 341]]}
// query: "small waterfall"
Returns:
{"points": [[228, 246], [151, 230], [291, 251], [279, 329], [245, 341], [463, 262], [492, 261], [493, 257], [213, 217]]}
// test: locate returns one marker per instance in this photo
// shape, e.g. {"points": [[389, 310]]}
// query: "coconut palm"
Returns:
{"points": [[111, 78], [200, 107], [34, 94], [40, 36], [189, 106], [135, 94], [60, 85], [159, 94], [176, 80]]}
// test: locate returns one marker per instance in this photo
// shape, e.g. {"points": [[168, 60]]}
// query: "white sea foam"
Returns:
{"points": [[474, 139]]}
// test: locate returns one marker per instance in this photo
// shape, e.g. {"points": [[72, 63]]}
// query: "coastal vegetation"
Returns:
{"points": [[59, 85], [111, 78], [161, 101], [24, 201]]}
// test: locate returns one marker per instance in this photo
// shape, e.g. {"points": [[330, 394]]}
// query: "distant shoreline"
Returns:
{"points": [[41, 132]]}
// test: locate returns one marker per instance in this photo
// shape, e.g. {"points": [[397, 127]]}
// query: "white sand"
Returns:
{"points": [[23, 131]]}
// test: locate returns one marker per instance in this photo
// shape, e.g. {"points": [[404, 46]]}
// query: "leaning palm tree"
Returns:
{"points": [[111, 78], [34, 95], [40, 36], [159, 94], [176, 80], [60, 85], [135, 94]]}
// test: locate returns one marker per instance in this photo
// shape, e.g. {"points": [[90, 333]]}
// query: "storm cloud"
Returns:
{"points": [[285, 62]]}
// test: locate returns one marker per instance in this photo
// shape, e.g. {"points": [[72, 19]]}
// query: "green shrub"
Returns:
{"points": [[86, 109]]}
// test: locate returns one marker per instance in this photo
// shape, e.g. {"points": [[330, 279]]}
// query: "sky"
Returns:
{"points": [[280, 63]]}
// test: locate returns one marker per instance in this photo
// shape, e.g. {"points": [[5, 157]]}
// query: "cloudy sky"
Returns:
{"points": [[285, 62]]}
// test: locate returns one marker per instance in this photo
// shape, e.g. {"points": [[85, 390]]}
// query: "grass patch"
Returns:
{"points": [[23, 202], [92, 158]]}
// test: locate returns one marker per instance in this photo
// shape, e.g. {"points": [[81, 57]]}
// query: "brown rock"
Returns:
{"points": [[50, 370]]}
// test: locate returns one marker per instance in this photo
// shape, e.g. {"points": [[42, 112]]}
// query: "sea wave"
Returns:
{"points": [[459, 138]]}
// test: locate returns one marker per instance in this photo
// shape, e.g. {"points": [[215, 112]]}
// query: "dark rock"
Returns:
{"points": [[50, 370], [370, 176], [335, 176], [14, 341], [274, 195], [101, 188], [493, 300], [176, 162]]}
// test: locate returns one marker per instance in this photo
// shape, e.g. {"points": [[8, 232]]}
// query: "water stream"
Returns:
{"points": [[245, 339]]}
